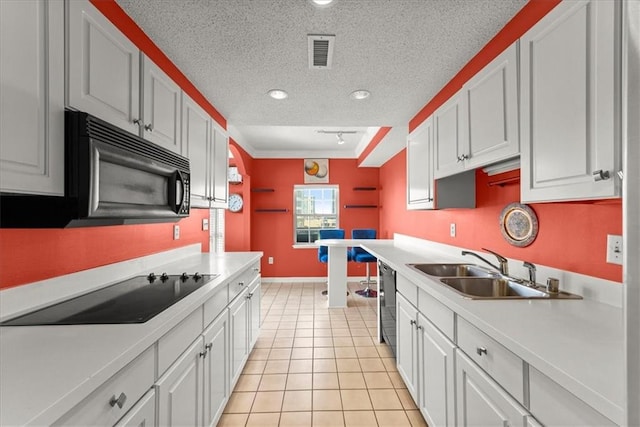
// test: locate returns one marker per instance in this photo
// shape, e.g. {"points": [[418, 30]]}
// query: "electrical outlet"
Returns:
{"points": [[614, 249], [452, 230], [270, 260], [176, 232], [205, 224]]}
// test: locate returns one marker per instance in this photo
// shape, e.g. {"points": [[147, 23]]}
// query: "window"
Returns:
{"points": [[216, 230], [315, 207]]}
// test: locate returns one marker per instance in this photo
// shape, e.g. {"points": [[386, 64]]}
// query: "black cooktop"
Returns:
{"points": [[135, 300]]}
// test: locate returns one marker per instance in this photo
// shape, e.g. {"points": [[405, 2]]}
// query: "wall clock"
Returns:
{"points": [[235, 202]]}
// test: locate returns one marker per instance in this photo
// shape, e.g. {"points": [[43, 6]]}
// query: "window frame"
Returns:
{"points": [[296, 187]]}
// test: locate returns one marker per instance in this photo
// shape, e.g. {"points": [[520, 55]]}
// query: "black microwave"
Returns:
{"points": [[112, 177]]}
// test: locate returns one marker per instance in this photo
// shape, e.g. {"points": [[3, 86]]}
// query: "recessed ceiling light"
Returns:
{"points": [[321, 2], [278, 94], [360, 94]]}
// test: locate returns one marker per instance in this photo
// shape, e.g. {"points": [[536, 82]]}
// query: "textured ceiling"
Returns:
{"points": [[402, 51]]}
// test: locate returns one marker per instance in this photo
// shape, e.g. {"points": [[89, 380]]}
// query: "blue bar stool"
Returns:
{"points": [[323, 251], [360, 255]]}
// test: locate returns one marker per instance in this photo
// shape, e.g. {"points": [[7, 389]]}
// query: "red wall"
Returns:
{"points": [[572, 236], [28, 255], [272, 233]]}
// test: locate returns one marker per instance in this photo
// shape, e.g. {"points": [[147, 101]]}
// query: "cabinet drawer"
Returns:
{"points": [[173, 343], [132, 382], [436, 312], [407, 289], [214, 305], [243, 280], [504, 366]]}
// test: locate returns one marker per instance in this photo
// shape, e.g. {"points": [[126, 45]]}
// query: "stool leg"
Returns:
{"points": [[367, 292]]}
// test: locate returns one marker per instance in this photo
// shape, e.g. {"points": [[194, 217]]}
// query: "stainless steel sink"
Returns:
{"points": [[453, 270], [499, 288]]}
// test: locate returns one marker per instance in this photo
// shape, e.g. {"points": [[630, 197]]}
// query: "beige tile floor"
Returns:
{"points": [[314, 366]]}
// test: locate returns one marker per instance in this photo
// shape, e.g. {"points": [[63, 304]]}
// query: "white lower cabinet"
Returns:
{"points": [[436, 396], [254, 297], [180, 389], [555, 406], [239, 345], [481, 401], [143, 414], [425, 359], [216, 369]]}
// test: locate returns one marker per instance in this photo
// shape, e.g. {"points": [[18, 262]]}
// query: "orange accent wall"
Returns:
{"points": [[29, 255], [237, 237], [377, 139], [572, 236], [272, 233]]}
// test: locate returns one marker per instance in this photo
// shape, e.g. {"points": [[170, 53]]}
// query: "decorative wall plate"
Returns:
{"points": [[518, 224]]}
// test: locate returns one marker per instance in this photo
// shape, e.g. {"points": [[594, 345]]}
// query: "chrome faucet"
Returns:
{"points": [[504, 263], [532, 272]]}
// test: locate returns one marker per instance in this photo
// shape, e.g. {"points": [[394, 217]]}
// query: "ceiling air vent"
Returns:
{"points": [[320, 50]]}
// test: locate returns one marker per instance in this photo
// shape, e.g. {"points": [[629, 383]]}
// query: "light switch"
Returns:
{"points": [[614, 249], [176, 232]]}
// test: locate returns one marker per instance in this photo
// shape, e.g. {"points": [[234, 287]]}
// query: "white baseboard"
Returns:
{"points": [[322, 279]]}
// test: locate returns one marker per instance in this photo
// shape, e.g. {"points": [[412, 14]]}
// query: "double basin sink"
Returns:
{"points": [[475, 282]]}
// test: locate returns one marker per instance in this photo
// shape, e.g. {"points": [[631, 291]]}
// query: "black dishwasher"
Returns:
{"points": [[387, 289]]}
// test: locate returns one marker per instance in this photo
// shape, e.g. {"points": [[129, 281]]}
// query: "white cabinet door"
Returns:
{"points": [[196, 127], [32, 101], [481, 401], [180, 390], [216, 369], [491, 100], [406, 345], [255, 296], [450, 138], [103, 68], [436, 375], [420, 192], [161, 107], [238, 311], [220, 165], [570, 95], [143, 413]]}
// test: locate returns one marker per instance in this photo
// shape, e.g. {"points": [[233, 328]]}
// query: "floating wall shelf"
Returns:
{"points": [[364, 188], [262, 190], [272, 210], [360, 206]]}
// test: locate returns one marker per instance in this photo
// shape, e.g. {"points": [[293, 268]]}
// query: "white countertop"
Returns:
{"points": [[46, 370], [577, 343]]}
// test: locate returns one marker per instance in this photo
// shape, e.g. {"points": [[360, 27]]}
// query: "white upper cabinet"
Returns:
{"points": [[570, 97], [103, 68], [491, 101], [32, 101], [420, 188], [196, 126], [450, 138], [161, 107], [220, 164]]}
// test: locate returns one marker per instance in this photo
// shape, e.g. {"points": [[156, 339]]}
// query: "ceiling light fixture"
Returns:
{"points": [[322, 2], [337, 133], [278, 94], [360, 94]]}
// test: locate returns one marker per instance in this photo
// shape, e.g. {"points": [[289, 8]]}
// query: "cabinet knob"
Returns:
{"points": [[481, 351], [240, 283], [420, 327], [256, 269], [203, 354], [148, 127], [118, 401], [137, 122], [601, 175], [462, 158], [208, 346], [413, 322]]}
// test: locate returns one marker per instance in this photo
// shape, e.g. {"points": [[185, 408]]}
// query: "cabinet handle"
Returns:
{"points": [[413, 322], [119, 401], [430, 199], [148, 127], [240, 283], [137, 122], [420, 327], [208, 346], [203, 354], [601, 175], [256, 269], [481, 351], [463, 158]]}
